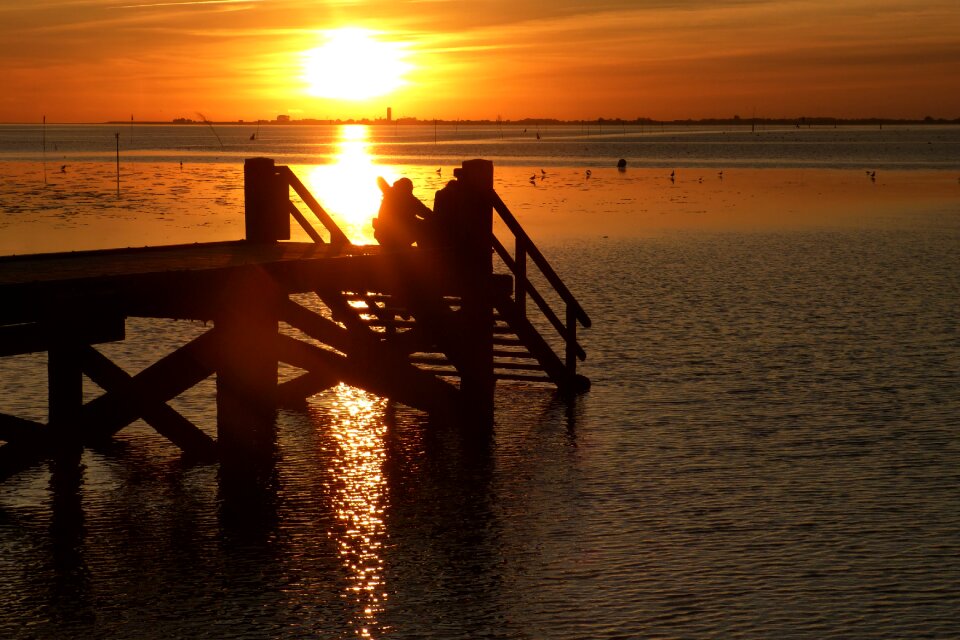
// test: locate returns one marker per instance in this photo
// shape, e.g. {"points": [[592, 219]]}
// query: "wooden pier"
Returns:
{"points": [[434, 328]]}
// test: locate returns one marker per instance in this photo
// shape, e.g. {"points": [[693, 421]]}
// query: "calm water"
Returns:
{"points": [[769, 448], [899, 147]]}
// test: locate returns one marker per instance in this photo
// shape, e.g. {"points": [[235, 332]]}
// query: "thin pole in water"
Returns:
{"points": [[117, 136], [44, 136]]}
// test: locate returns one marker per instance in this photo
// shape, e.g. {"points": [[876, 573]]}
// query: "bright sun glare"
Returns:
{"points": [[347, 187], [355, 64]]}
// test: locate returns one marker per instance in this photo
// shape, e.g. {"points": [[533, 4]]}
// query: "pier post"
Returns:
{"points": [[247, 325], [476, 220], [266, 201], [64, 400], [64, 381]]}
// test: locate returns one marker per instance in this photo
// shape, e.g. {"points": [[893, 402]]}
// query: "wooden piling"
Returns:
{"points": [[64, 381], [476, 220], [247, 323], [266, 201], [64, 402], [247, 327]]}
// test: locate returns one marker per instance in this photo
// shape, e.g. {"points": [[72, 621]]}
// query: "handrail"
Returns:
{"points": [[574, 313], [337, 236], [548, 312], [304, 223], [538, 258]]}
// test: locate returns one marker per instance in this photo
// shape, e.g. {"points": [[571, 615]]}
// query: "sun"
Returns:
{"points": [[355, 64]]}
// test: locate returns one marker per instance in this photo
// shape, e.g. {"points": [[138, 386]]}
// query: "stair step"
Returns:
{"points": [[516, 377], [522, 366], [429, 359], [522, 377], [498, 375], [377, 322], [498, 354], [529, 365], [380, 322], [382, 309], [506, 353]]}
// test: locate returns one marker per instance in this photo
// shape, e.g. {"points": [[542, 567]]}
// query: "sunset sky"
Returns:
{"points": [[96, 60]]}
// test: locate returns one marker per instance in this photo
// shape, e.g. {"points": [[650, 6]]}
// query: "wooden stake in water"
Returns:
{"points": [[117, 136], [44, 136]]}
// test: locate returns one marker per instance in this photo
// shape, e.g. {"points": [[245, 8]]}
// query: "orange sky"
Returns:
{"points": [[96, 60]]}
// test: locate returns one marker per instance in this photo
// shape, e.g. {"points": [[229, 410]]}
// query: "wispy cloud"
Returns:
{"points": [[186, 3]]}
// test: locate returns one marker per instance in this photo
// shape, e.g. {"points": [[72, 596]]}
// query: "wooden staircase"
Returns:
{"points": [[423, 332], [513, 359]]}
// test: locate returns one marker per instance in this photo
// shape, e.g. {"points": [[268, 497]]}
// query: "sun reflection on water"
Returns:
{"points": [[358, 428], [347, 188]]}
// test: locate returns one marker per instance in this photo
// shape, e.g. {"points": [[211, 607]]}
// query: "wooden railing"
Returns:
{"points": [[337, 237], [268, 208], [524, 249], [276, 182]]}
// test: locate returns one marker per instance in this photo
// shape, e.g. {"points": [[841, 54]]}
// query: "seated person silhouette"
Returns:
{"points": [[402, 220]]}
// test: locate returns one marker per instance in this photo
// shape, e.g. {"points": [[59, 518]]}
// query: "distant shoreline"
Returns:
{"points": [[801, 122]]}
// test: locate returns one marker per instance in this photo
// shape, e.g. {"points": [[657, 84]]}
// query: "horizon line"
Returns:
{"points": [[800, 121]]}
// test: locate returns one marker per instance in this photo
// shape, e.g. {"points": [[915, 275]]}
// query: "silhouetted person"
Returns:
{"points": [[402, 220], [621, 164], [447, 229]]}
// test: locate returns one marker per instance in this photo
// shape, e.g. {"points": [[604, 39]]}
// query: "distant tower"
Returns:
{"points": [[389, 114]]}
